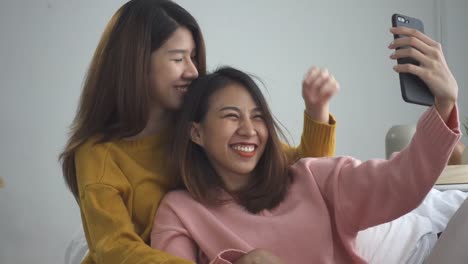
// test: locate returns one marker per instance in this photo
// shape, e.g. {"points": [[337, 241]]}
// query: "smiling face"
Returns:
{"points": [[172, 69], [233, 134]]}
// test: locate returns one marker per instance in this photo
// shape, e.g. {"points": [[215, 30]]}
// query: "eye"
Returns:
{"points": [[232, 116], [258, 117], [177, 60]]}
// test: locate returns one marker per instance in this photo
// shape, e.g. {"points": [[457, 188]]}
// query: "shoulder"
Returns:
{"points": [[178, 199], [92, 149], [92, 160]]}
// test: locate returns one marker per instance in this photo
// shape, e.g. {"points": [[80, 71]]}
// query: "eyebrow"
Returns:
{"points": [[178, 51], [256, 109]]}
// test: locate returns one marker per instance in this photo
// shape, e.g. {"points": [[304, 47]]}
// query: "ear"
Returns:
{"points": [[195, 134]]}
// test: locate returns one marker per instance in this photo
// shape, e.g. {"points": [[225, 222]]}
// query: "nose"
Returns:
{"points": [[247, 128], [191, 71]]}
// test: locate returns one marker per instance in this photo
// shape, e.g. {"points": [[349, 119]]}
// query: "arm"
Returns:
{"points": [[109, 229], [318, 139], [318, 135], [388, 189], [364, 194]]}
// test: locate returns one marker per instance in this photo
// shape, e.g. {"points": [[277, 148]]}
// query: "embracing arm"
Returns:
{"points": [[110, 232]]}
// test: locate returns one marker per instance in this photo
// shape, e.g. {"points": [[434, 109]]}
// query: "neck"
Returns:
{"points": [[235, 182], [158, 121]]}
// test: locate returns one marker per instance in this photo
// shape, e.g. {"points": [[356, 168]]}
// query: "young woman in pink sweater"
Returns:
{"points": [[244, 203]]}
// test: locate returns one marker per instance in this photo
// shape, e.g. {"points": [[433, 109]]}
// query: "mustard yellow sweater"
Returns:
{"points": [[122, 182]]}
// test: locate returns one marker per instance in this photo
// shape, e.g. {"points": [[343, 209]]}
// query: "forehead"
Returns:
{"points": [[232, 95], [181, 39]]}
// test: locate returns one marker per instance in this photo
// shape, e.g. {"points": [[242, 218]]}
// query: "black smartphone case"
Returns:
{"points": [[413, 89]]}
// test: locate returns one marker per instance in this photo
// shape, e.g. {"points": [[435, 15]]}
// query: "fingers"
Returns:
{"points": [[311, 75], [406, 42], [415, 41], [418, 46], [410, 68], [412, 53], [433, 68], [318, 88], [411, 32], [319, 82], [321, 78], [316, 77], [330, 87]]}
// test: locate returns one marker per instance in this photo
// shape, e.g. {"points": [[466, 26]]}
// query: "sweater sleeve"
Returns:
{"points": [[317, 140], [109, 229], [170, 235], [365, 194]]}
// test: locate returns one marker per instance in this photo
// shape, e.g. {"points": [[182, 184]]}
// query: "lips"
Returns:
{"points": [[246, 150], [182, 87]]}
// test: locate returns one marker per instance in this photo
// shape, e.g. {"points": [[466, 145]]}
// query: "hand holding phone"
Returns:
{"points": [[413, 89], [432, 67]]}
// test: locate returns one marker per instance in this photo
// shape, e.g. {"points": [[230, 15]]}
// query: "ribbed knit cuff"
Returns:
{"points": [[438, 132], [319, 134]]}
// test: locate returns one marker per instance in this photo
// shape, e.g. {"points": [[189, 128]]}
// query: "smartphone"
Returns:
{"points": [[413, 89]]}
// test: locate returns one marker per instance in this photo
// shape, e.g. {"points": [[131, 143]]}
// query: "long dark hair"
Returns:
{"points": [[115, 99], [192, 167]]}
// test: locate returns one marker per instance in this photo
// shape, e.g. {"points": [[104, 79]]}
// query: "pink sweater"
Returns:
{"points": [[329, 201]]}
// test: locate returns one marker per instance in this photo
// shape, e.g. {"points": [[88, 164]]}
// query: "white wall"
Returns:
{"points": [[46, 46]]}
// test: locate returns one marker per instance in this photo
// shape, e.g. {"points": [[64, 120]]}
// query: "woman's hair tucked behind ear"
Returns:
{"points": [[269, 184], [115, 99]]}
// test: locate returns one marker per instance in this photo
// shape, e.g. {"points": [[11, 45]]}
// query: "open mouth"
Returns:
{"points": [[245, 150], [182, 88]]}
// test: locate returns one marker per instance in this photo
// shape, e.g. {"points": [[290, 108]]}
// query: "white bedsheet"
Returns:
{"points": [[410, 238]]}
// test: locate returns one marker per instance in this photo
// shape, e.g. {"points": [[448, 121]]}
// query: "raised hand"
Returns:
{"points": [[433, 68], [318, 87]]}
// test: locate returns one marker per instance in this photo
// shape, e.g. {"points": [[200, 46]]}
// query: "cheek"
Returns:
{"points": [[263, 133]]}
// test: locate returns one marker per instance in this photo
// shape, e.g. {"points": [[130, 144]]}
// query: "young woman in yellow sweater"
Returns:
{"points": [[115, 159]]}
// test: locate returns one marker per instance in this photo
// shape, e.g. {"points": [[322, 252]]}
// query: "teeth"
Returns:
{"points": [[244, 148], [182, 89]]}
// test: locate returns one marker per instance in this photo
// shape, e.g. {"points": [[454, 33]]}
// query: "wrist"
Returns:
{"points": [[319, 114], [444, 107]]}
